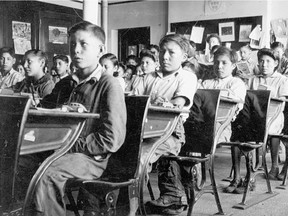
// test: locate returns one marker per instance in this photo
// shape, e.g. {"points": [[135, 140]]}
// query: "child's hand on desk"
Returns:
{"points": [[161, 101]]}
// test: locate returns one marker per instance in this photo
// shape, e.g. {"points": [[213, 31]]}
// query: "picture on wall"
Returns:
{"points": [[58, 35], [244, 32], [227, 31]]}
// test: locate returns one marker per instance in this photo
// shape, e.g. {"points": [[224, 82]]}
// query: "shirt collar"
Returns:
{"points": [[95, 75], [160, 73]]}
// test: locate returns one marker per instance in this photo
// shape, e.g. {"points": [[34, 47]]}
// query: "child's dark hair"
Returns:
{"points": [[228, 52], [61, 57], [132, 68], [215, 48], [276, 45], [177, 38], [247, 45], [147, 53], [213, 36], [153, 46], [87, 26], [192, 65], [134, 57], [111, 57], [40, 54], [7, 50]]}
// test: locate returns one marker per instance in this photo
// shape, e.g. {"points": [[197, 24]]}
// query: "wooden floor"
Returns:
{"points": [[275, 206]]}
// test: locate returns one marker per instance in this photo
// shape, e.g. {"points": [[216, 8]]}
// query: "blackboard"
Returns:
{"points": [[212, 26]]}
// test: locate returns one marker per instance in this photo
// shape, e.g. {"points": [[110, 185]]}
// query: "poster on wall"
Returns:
{"points": [[227, 31], [58, 35], [197, 34], [244, 32], [21, 35], [132, 50]]}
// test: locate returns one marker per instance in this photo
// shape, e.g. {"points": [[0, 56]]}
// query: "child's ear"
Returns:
{"points": [[233, 66], [185, 57]]}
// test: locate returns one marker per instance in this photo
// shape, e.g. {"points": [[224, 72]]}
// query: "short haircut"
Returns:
{"points": [[178, 39], [147, 53], [154, 46], [276, 45], [192, 65], [134, 57], [111, 57], [268, 52], [215, 48], [222, 50], [132, 68], [38, 53], [247, 45], [7, 50], [90, 27], [193, 44], [213, 36], [61, 57]]}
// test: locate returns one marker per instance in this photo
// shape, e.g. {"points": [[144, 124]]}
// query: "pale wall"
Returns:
{"points": [[151, 14]]}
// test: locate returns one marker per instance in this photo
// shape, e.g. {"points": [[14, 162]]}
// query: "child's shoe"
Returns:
{"points": [[233, 185], [272, 175]]}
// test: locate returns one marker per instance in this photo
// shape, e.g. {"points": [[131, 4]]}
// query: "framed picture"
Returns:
{"points": [[244, 32], [227, 31]]}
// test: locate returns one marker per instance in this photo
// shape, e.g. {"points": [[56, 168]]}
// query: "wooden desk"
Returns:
{"points": [[48, 129]]}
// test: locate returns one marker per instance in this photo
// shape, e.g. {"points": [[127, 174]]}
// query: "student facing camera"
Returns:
{"points": [[8, 76], [37, 82]]}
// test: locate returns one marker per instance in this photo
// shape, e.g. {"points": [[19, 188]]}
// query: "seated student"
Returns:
{"points": [[278, 48], [37, 82], [63, 88], [110, 65], [224, 64], [132, 60], [89, 156], [8, 76], [155, 51], [148, 65], [270, 79], [20, 68], [212, 40], [177, 86], [191, 66], [245, 53]]}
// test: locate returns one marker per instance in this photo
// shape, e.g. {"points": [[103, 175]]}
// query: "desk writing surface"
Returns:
{"points": [[159, 119], [49, 129], [226, 106]]}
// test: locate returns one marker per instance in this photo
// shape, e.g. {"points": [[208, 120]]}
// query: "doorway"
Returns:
{"points": [[132, 41]]}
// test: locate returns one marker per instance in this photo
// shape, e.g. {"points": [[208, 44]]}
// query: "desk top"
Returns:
{"points": [[59, 113]]}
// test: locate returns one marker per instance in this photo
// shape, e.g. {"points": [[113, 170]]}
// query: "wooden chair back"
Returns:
{"points": [[251, 124], [123, 164], [200, 127], [13, 116]]}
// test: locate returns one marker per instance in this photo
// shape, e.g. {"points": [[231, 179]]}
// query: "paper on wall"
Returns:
{"points": [[256, 33], [21, 45], [197, 34]]}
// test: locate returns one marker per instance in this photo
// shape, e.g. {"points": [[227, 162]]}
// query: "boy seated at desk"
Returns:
{"points": [[177, 86], [224, 64], [88, 158], [37, 82], [268, 79]]}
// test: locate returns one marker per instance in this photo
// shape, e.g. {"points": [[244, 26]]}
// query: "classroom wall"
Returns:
{"points": [[151, 14], [192, 10]]}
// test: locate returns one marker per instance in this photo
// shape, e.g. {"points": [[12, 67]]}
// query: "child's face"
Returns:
{"points": [[171, 57], [120, 71], [61, 67], [128, 74], [86, 49], [245, 53], [148, 65], [33, 65], [223, 66], [21, 69], [108, 66], [6, 62], [131, 62], [267, 65]]}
